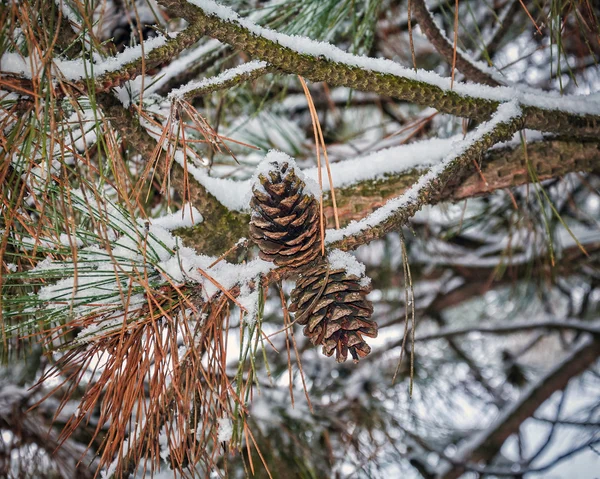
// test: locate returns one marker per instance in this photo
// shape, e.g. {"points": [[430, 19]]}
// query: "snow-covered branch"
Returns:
{"points": [[392, 215], [319, 61], [227, 79]]}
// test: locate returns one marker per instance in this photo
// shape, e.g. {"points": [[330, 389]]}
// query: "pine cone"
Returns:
{"points": [[332, 305], [285, 218]]}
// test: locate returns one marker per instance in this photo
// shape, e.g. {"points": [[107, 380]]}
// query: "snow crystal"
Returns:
{"points": [[225, 429]]}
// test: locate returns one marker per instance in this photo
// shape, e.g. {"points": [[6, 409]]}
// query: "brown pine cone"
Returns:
{"points": [[285, 217], [333, 306]]}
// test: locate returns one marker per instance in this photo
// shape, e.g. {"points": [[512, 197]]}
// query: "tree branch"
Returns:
{"points": [[503, 167], [311, 60], [486, 445], [446, 49], [396, 212], [224, 80]]}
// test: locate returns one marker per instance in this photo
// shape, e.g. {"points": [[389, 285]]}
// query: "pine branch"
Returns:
{"points": [[503, 167], [221, 227], [223, 81], [446, 49], [541, 112], [111, 79], [396, 213], [165, 53]]}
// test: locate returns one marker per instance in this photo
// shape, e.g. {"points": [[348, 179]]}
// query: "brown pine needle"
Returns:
{"points": [[318, 132], [455, 46], [320, 173], [224, 290]]}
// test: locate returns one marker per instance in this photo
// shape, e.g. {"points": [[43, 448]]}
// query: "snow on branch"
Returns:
{"points": [[226, 79], [234, 194], [80, 69], [505, 122], [319, 61]]}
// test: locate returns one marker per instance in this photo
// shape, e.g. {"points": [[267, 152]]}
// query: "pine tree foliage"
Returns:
{"points": [[186, 185]]}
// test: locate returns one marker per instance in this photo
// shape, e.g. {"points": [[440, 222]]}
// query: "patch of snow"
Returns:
{"points": [[339, 259], [188, 216], [225, 429]]}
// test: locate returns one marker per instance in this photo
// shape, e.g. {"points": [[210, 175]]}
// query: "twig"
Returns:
{"points": [[486, 445], [446, 49]]}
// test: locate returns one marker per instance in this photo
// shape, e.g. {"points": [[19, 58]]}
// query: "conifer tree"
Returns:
{"points": [[187, 185]]}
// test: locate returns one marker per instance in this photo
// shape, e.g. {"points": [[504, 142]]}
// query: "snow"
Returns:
{"points": [[225, 429], [188, 216], [248, 299], [339, 259], [575, 104], [505, 113], [274, 161], [15, 63], [223, 77], [236, 195]]}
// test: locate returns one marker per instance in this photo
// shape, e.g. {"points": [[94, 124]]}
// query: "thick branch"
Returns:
{"points": [[395, 213], [503, 167], [484, 447], [384, 77]]}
